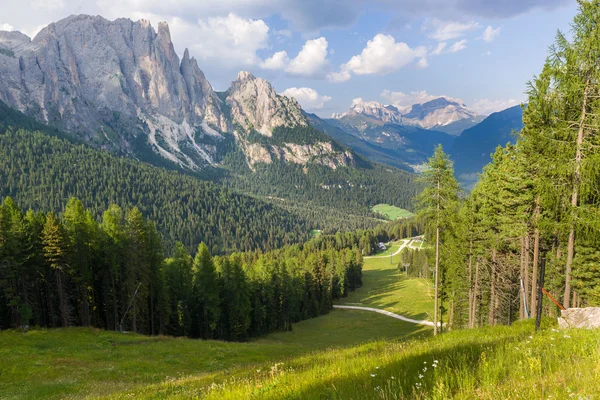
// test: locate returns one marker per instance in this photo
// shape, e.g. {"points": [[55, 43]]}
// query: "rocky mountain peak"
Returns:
{"points": [[256, 105]]}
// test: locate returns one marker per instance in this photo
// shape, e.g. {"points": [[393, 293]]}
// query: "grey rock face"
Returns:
{"points": [[89, 75], [120, 85], [588, 318], [255, 105]]}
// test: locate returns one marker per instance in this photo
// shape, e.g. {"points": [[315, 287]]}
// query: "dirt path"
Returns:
{"points": [[384, 312], [396, 253]]}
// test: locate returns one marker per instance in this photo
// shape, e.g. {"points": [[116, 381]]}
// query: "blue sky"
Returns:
{"points": [[327, 53]]}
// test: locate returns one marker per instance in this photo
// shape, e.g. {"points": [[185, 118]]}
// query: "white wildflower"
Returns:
{"points": [[373, 375], [420, 376]]}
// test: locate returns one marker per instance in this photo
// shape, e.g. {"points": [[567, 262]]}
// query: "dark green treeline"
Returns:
{"points": [[71, 270]]}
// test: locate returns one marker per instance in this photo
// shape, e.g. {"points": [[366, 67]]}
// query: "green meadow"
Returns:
{"points": [[392, 213]]}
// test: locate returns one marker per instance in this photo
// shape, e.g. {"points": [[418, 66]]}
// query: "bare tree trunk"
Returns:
{"points": [[526, 269], [471, 300], [492, 310], [575, 198], [437, 260], [521, 295], [475, 294], [536, 257]]}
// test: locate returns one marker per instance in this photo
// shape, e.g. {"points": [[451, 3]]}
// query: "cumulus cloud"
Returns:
{"points": [[489, 34], [382, 55], [277, 61], [230, 39], [6, 27], [438, 50], [422, 63], [311, 61], [308, 98], [458, 46], [447, 30], [486, 106]]}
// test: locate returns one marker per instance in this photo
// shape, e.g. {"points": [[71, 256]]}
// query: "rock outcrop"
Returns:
{"points": [[588, 318], [120, 85], [94, 77], [255, 105]]}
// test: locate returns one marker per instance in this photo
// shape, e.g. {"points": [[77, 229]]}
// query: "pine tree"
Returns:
{"points": [[437, 206], [206, 293], [56, 253]]}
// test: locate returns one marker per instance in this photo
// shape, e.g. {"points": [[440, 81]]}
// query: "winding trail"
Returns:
{"points": [[403, 245], [384, 312]]}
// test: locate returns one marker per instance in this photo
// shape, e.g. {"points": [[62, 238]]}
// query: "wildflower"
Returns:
{"points": [[530, 337], [567, 337], [420, 376], [424, 362], [373, 375], [434, 365], [424, 369], [393, 377], [435, 361], [376, 367], [551, 338]]}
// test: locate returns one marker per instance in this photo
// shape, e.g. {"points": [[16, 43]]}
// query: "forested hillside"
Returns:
{"points": [[42, 172], [536, 205], [74, 270]]}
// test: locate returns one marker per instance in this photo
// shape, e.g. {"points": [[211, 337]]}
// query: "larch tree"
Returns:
{"points": [[437, 206]]}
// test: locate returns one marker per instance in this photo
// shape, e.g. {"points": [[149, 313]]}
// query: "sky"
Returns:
{"points": [[327, 53]]}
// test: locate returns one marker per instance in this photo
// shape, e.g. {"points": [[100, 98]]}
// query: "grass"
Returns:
{"points": [[386, 288], [392, 212], [315, 233], [346, 354]]}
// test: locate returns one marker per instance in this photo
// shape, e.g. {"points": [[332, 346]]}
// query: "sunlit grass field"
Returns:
{"points": [[392, 212], [345, 354]]}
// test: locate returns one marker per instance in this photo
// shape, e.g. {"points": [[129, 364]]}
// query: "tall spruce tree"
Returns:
{"points": [[437, 206]]}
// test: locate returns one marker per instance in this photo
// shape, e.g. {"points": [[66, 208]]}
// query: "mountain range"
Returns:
{"points": [[120, 86]]}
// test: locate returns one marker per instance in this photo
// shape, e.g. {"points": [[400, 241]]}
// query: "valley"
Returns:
{"points": [[190, 209]]}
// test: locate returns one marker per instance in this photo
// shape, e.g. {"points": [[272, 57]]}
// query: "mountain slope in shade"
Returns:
{"points": [[408, 145], [372, 152], [473, 148]]}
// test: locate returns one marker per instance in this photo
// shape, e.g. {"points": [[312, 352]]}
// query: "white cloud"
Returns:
{"points": [[458, 46], [308, 98], [422, 63], [486, 53], [447, 30], [403, 101], [438, 50], [6, 27], [276, 62], [382, 55], [341, 76], [230, 40], [489, 34], [311, 61], [486, 106]]}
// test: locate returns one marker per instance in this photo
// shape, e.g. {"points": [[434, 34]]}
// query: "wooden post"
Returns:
{"points": [[538, 318]]}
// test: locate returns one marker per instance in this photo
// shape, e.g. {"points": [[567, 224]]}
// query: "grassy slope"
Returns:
{"points": [[392, 212], [82, 361], [327, 357]]}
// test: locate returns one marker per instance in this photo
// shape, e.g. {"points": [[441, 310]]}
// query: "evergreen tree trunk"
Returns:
{"points": [[492, 310], [536, 256], [62, 299], [575, 198], [475, 294], [526, 269], [471, 300], [521, 294], [437, 261]]}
